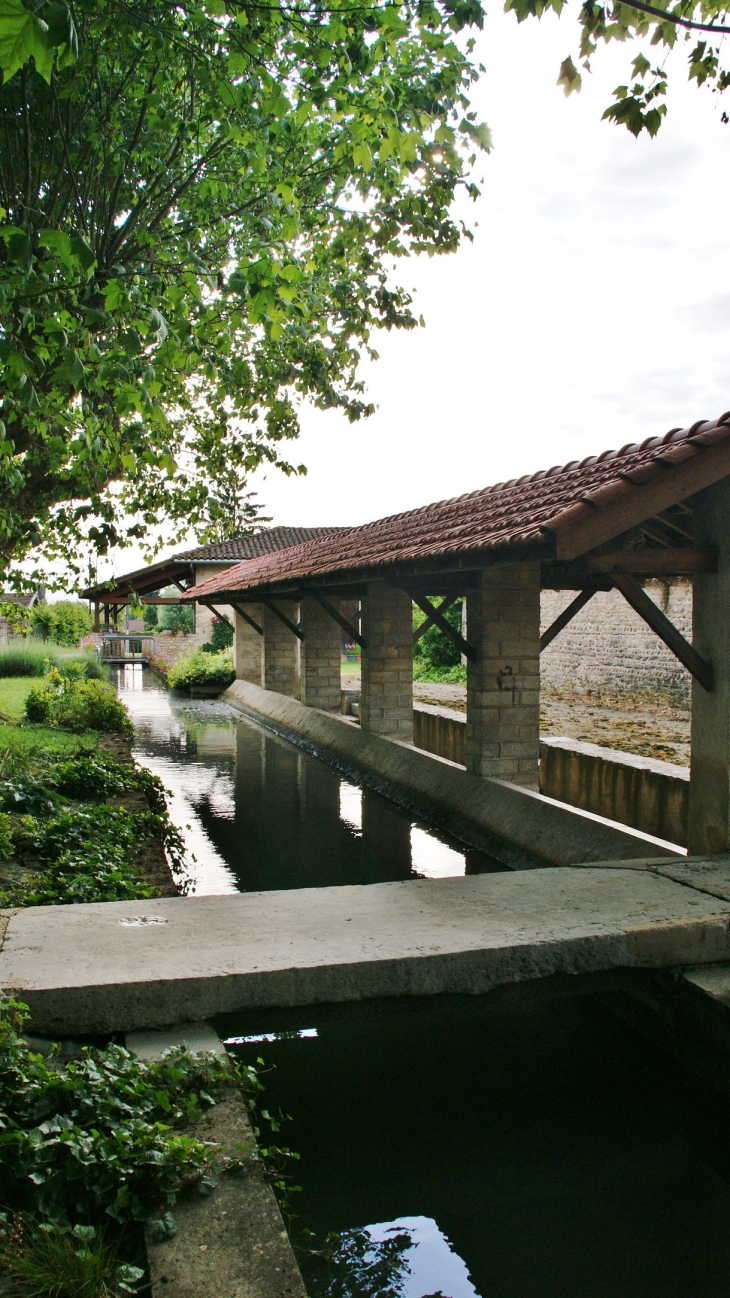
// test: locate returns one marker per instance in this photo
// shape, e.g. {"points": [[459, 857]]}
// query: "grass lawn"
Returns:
{"points": [[30, 737], [13, 691]]}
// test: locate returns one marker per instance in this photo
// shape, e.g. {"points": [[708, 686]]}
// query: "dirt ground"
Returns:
{"points": [[649, 729]]}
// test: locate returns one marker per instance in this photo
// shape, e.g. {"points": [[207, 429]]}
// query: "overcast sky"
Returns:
{"points": [[592, 309]]}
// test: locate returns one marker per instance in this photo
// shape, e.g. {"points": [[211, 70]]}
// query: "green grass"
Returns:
{"points": [[25, 739], [32, 659], [13, 692]]}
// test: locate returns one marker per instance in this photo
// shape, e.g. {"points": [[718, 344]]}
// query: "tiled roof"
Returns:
{"points": [[254, 545], [530, 509]]}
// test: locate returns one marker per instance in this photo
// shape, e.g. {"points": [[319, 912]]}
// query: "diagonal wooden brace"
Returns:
{"points": [[637, 597], [438, 618], [426, 626], [218, 613], [565, 617], [295, 630], [247, 618], [335, 613]]}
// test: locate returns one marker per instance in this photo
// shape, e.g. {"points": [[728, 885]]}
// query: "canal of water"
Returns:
{"points": [[448, 1148]]}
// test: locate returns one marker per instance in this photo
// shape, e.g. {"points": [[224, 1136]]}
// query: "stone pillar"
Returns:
{"points": [[386, 697], [320, 656], [248, 645], [708, 827], [503, 685], [281, 650]]}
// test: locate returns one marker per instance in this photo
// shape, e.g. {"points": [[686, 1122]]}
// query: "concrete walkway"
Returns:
{"points": [[136, 965]]}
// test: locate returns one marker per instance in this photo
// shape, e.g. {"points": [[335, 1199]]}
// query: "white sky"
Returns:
{"points": [[592, 309]]}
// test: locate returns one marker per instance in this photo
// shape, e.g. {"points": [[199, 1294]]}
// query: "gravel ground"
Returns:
{"points": [[632, 726]]}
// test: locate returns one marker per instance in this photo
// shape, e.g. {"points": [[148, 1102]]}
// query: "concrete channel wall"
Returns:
{"points": [[519, 827], [648, 795]]}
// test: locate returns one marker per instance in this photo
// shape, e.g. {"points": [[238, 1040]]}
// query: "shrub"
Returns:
{"points": [[202, 669], [150, 616], [35, 661], [64, 623], [66, 699], [176, 617], [434, 651], [221, 635]]}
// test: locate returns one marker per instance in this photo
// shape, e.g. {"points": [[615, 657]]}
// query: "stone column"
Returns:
{"points": [[281, 650], [386, 698], [503, 685], [320, 656], [248, 645], [709, 788]]}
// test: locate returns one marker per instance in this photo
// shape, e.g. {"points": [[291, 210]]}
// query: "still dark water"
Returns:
{"points": [[455, 1150], [258, 813], [547, 1153]]}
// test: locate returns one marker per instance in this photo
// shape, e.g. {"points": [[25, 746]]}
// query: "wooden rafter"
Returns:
{"points": [[295, 630], [449, 631], [637, 597], [566, 616], [335, 613], [430, 621], [247, 617]]}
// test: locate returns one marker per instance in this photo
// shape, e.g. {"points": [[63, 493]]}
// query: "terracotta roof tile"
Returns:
{"points": [[518, 512]]}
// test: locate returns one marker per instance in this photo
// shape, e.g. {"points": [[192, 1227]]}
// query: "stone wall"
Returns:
{"points": [[608, 649]]}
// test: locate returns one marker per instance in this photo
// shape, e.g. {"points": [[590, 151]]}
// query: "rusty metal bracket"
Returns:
{"points": [[295, 630], [335, 613], [565, 617], [637, 597], [438, 618]]}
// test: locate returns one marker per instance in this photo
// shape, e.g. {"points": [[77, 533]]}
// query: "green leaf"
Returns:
{"points": [[23, 36], [569, 78]]}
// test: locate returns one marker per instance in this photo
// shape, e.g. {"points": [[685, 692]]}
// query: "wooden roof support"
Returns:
{"points": [[565, 617], [335, 613], [247, 617], [295, 630], [637, 597], [438, 618], [218, 613], [426, 626]]}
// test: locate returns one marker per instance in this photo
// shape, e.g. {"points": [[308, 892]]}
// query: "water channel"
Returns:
{"points": [[449, 1148]]}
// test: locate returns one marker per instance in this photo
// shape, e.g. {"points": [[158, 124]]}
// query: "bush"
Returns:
{"points": [[434, 651], [221, 635], [150, 617], [176, 617], [67, 699], [35, 661], [202, 669], [64, 623]]}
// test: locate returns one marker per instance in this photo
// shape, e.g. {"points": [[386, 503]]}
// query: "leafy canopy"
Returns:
{"points": [[202, 203], [640, 105]]}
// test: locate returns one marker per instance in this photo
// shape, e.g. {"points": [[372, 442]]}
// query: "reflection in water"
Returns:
{"points": [[258, 813]]}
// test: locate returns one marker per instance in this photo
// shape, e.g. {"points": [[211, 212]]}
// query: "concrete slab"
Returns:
{"points": [[130, 966], [517, 826]]}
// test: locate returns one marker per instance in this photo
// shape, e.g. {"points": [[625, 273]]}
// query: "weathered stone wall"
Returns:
{"points": [[203, 615], [609, 649]]}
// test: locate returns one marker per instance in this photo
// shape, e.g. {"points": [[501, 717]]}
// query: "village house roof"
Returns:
{"points": [[180, 567], [557, 514]]}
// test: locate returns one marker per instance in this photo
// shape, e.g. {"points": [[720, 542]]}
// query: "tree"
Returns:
{"points": [[639, 105], [230, 511], [201, 205]]}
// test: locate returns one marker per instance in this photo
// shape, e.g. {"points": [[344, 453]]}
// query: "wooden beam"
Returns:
{"points": [[425, 626], [669, 486], [335, 613], [217, 612], [645, 562], [295, 630], [436, 616], [565, 617], [666, 630], [247, 617]]}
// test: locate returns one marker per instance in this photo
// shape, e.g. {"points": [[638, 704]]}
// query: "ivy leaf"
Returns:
{"points": [[23, 36]]}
